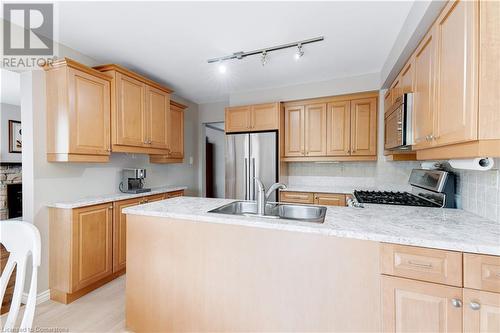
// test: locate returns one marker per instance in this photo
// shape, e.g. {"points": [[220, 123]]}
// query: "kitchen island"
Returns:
{"points": [[190, 270]]}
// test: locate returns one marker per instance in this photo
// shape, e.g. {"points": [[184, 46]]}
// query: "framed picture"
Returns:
{"points": [[15, 137]]}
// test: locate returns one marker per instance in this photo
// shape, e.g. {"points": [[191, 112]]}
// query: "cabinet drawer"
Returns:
{"points": [[424, 264], [482, 272], [175, 194], [297, 197], [328, 199], [154, 197]]}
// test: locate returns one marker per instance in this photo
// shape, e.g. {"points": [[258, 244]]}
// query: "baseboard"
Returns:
{"points": [[40, 298]]}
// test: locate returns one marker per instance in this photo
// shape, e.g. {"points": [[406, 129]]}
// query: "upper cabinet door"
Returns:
{"points": [[265, 117], [157, 107], [338, 128], [176, 133], [407, 77], [364, 126], [130, 111], [396, 88], [415, 306], [387, 101], [315, 129], [89, 100], [457, 112], [423, 99], [294, 131], [238, 119]]}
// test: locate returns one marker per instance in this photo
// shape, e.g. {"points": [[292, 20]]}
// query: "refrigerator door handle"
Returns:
{"points": [[253, 178], [246, 179]]}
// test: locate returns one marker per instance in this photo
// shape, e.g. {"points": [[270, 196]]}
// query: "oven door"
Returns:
{"points": [[394, 131]]}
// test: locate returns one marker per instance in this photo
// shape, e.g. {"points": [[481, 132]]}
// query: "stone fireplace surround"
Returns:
{"points": [[9, 174]]}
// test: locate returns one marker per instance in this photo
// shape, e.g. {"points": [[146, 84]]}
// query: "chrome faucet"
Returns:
{"points": [[263, 196]]}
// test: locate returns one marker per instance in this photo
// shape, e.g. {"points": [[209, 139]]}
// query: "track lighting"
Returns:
{"points": [[263, 58], [299, 52], [264, 52]]}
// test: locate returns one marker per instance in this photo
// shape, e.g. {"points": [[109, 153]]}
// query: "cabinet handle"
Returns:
{"points": [[455, 302], [419, 264], [110, 207], [474, 306], [109, 149]]}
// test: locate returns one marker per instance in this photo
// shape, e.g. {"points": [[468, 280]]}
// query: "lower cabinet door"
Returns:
{"points": [[415, 306], [481, 311], [120, 232], [92, 244]]}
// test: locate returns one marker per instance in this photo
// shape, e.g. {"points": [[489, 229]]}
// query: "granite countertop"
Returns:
{"points": [[95, 200], [441, 228]]}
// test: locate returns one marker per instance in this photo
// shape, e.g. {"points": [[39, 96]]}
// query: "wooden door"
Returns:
{"points": [[457, 73], [92, 244], [387, 101], [364, 127], [157, 111], [89, 102], [423, 98], [415, 306], [176, 132], [329, 199], [393, 130], [396, 88], [130, 112], [297, 197], [120, 232], [264, 117], [338, 129], [407, 77], [238, 119], [294, 131], [315, 129], [481, 311]]}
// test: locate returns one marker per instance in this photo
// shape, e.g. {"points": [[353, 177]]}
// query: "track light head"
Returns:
{"points": [[263, 58], [299, 53]]}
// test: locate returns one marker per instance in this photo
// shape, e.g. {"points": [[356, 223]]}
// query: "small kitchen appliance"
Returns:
{"points": [[133, 181], [430, 188]]}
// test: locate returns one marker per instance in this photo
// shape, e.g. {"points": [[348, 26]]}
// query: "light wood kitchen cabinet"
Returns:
{"points": [[175, 135], [364, 126], [297, 197], [294, 131], [315, 129], [92, 244], [252, 118], [396, 89], [329, 199], [456, 73], [339, 128], [407, 77], [423, 101], [157, 113], [416, 306], [338, 134], [482, 272], [120, 232], [481, 311], [78, 113], [387, 101], [139, 112], [174, 194]]}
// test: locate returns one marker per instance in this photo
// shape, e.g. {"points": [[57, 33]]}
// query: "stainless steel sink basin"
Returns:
{"points": [[274, 210]]}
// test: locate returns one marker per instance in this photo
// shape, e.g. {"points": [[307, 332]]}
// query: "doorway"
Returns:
{"points": [[215, 144]]}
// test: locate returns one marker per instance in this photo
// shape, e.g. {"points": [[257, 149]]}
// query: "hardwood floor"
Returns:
{"points": [[103, 310]]}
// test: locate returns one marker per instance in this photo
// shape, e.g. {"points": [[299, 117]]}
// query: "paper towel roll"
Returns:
{"points": [[480, 164]]}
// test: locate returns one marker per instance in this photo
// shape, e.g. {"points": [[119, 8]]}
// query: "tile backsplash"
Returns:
{"points": [[477, 191]]}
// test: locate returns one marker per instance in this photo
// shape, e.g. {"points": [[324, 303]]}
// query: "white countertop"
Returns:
{"points": [[449, 229], [95, 200]]}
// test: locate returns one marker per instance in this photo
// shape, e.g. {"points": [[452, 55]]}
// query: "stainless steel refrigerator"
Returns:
{"points": [[250, 155]]}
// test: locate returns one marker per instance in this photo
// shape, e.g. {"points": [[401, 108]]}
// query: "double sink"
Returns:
{"points": [[274, 210]]}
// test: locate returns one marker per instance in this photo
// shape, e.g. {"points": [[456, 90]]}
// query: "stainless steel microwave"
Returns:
{"points": [[398, 124]]}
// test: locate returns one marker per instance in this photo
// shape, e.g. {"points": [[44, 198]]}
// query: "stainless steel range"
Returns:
{"points": [[430, 188]]}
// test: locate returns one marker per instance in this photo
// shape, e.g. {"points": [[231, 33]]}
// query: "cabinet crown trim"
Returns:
{"points": [[67, 62], [177, 104], [125, 71]]}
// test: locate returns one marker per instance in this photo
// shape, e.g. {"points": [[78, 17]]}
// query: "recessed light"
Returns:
{"points": [[222, 68]]}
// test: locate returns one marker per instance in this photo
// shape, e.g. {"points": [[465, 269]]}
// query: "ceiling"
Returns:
{"points": [[171, 41]]}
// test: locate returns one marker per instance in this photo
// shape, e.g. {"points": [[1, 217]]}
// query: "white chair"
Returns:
{"points": [[21, 239]]}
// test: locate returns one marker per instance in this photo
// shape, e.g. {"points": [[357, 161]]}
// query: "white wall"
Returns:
{"points": [[332, 87], [8, 112], [51, 182]]}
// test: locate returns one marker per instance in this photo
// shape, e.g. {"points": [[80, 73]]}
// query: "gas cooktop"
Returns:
{"points": [[392, 198]]}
